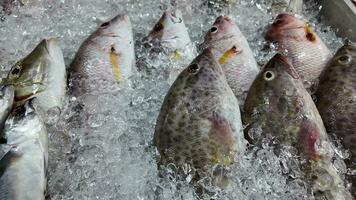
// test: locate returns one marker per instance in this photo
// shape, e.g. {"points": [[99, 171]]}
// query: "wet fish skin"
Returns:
{"points": [[231, 49], [40, 74], [105, 59], [336, 101], [23, 167], [6, 102], [199, 123], [305, 50], [170, 32], [279, 107]]}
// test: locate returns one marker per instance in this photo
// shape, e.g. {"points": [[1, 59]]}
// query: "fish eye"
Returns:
{"points": [[15, 72], [193, 68], [158, 27], [278, 22], [268, 75], [105, 24], [344, 60], [214, 29]]}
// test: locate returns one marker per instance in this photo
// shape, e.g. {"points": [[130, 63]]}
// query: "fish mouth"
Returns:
{"points": [[223, 18], [283, 61], [120, 18], [175, 16]]}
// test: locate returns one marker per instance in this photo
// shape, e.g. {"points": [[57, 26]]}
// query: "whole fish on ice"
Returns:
{"points": [[40, 74], [171, 34], [304, 49], [231, 49], [279, 108], [336, 101], [199, 124], [105, 60], [24, 156]]}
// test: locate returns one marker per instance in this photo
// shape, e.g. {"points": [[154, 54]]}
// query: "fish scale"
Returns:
{"points": [[336, 101], [231, 49], [199, 123], [280, 107], [305, 50], [308, 60], [106, 59]]}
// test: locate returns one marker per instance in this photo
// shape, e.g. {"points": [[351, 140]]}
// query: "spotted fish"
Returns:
{"points": [[336, 101], [199, 124], [280, 108]]}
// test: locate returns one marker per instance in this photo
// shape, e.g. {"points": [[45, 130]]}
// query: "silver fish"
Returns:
{"points": [[6, 102], [24, 164], [41, 74]]}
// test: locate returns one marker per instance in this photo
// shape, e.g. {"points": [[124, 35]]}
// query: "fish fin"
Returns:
{"points": [[309, 134], [229, 53], [309, 33], [114, 63], [221, 129], [176, 55], [7, 157]]}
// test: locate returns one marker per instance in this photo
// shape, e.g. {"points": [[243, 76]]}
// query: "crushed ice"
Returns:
{"points": [[109, 155]]}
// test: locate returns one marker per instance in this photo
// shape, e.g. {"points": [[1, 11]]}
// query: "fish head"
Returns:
{"points": [[114, 26], [170, 30], [346, 55], [112, 33], [203, 72], [275, 81], [287, 26], [222, 34], [28, 75]]}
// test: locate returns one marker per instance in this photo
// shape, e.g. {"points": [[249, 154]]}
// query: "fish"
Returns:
{"points": [[289, 6], [41, 74], [231, 49], [24, 159], [171, 34], [304, 49], [280, 109], [105, 60], [6, 102], [336, 101], [199, 124]]}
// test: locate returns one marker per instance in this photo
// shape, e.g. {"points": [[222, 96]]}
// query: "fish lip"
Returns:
{"points": [[120, 18], [223, 18], [287, 66]]}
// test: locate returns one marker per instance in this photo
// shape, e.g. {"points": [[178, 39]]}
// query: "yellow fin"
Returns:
{"points": [[176, 55], [309, 33], [228, 54], [114, 63]]}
